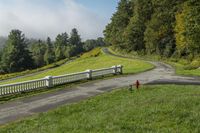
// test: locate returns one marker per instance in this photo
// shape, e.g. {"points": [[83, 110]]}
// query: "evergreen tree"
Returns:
{"points": [[75, 41], [49, 56], [38, 50], [16, 57], [59, 48]]}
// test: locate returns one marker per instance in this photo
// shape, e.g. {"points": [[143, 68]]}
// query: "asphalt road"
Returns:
{"points": [[15, 110]]}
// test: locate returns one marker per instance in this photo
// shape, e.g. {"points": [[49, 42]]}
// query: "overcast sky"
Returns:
{"points": [[42, 18]]}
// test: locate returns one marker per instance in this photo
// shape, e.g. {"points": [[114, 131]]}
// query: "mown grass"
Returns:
{"points": [[151, 109], [92, 60], [50, 66], [180, 66], [180, 69]]}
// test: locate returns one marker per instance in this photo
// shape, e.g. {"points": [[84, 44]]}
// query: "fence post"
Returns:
{"points": [[120, 69], [49, 81], [114, 70], [89, 74]]}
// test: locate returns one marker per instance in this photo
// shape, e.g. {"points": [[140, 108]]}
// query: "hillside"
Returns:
{"points": [[167, 28], [94, 59]]}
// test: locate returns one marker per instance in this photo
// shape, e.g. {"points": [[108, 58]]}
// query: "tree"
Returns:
{"points": [[16, 57], [38, 50], [159, 34], [59, 48], [192, 21], [134, 32], [119, 21], [75, 41], [49, 56]]}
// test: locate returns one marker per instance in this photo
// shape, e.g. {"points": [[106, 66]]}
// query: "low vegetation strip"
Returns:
{"points": [[151, 109], [94, 59]]}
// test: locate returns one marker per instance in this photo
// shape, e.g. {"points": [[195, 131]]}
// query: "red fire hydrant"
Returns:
{"points": [[137, 84]]}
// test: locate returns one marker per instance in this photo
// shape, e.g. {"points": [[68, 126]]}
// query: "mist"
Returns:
{"points": [[38, 19]]}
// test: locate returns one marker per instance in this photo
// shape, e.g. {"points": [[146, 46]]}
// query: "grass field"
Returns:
{"points": [[91, 60], [151, 109]]}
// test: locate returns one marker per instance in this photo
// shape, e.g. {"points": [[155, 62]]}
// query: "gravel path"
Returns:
{"points": [[14, 110]]}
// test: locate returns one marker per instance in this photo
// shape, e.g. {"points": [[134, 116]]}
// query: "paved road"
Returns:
{"points": [[18, 109]]}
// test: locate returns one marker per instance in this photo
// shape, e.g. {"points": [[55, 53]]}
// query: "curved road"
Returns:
{"points": [[24, 107]]}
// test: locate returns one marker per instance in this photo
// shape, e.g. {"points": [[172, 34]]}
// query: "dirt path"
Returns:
{"points": [[18, 109]]}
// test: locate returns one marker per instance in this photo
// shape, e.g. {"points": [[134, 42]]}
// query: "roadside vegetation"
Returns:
{"points": [[151, 109], [94, 59], [182, 66], [162, 30]]}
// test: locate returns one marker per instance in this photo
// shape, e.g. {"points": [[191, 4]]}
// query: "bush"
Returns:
{"points": [[193, 65]]}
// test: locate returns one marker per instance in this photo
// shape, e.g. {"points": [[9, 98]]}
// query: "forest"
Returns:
{"points": [[18, 53], [168, 28]]}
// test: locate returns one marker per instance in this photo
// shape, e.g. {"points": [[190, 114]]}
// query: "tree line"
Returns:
{"points": [[19, 53], [169, 28]]}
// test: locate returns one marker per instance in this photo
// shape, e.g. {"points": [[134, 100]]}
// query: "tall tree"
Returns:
{"points": [[38, 50], [49, 56], [16, 57], [193, 26], [119, 21], [59, 48], [134, 32], [159, 35], [75, 41]]}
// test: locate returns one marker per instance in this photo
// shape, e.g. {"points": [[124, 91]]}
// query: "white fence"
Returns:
{"points": [[51, 81]]}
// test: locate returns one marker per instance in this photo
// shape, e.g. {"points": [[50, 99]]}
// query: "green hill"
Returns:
{"points": [[94, 59]]}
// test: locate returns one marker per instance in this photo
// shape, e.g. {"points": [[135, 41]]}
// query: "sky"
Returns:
{"points": [[43, 18]]}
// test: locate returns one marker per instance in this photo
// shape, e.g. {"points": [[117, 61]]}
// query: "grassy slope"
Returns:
{"points": [[50, 66], [178, 66], [152, 109], [181, 71], [92, 60]]}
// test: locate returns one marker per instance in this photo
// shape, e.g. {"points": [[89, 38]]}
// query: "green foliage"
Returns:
{"points": [[92, 43], [49, 56], [152, 109], [16, 56], [114, 31], [38, 50], [134, 32], [75, 41], [166, 28]]}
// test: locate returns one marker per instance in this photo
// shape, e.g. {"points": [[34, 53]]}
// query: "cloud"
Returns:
{"points": [[48, 18]]}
